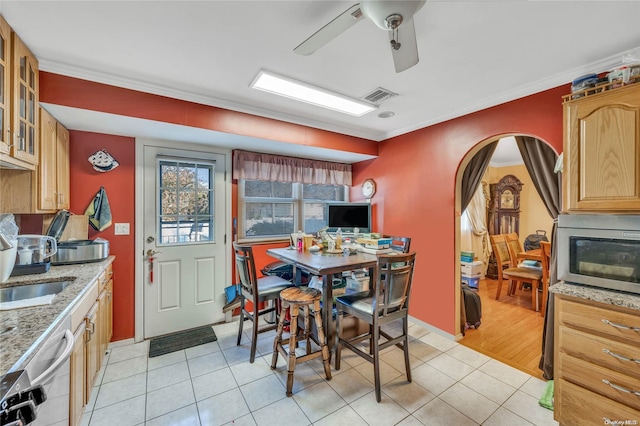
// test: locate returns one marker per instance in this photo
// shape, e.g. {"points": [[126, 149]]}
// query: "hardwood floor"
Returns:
{"points": [[511, 332]]}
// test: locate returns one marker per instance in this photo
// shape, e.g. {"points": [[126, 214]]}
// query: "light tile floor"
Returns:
{"points": [[214, 384]]}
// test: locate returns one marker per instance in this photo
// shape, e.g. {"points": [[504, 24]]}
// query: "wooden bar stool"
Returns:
{"points": [[295, 298]]}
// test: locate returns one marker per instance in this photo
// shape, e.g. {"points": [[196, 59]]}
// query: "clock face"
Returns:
{"points": [[368, 188], [507, 199]]}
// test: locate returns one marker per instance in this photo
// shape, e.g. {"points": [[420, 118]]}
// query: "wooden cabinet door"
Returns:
{"points": [[77, 389], [109, 314], [93, 349], [602, 151], [53, 171], [47, 173], [62, 161], [5, 85], [104, 300], [24, 121], [594, 341]]}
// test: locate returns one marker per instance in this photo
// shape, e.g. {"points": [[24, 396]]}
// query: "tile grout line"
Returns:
{"points": [[519, 388]]}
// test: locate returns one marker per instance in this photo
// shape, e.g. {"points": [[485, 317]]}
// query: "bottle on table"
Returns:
{"points": [[300, 242], [339, 239]]}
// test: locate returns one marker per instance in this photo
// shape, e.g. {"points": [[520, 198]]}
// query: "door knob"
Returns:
{"points": [[152, 252]]}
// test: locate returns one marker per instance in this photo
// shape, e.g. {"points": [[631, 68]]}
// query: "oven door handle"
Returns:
{"points": [[49, 372]]}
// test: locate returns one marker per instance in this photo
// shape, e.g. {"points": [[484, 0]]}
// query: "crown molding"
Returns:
{"points": [[565, 77], [156, 89], [556, 80]]}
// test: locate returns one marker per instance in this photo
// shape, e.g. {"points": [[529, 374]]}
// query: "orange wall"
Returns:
{"points": [[73, 92], [119, 184], [415, 175]]}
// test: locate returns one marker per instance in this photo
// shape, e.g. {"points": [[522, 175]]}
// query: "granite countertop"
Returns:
{"points": [[611, 297], [22, 331]]}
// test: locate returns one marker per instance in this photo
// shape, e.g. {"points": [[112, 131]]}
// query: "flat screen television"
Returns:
{"points": [[348, 216]]}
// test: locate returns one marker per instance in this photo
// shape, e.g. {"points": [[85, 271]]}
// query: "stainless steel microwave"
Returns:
{"points": [[600, 250]]}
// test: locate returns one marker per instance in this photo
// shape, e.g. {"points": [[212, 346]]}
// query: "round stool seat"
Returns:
{"points": [[300, 295]]}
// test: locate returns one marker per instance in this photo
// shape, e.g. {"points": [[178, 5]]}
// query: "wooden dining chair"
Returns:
{"points": [[546, 261], [256, 290], [388, 301], [514, 244], [515, 248], [514, 274]]}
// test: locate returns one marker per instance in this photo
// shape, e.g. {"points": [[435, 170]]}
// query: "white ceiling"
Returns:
{"points": [[506, 153], [473, 55]]}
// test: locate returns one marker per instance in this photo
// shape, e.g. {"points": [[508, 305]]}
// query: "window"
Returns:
{"points": [[186, 201], [270, 210]]}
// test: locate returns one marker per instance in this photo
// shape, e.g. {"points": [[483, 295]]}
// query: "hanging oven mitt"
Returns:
{"points": [[99, 211]]}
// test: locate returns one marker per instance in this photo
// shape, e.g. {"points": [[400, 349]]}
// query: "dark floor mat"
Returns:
{"points": [[181, 340]]}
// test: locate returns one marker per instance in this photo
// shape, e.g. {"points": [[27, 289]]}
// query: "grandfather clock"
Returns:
{"points": [[504, 212]]}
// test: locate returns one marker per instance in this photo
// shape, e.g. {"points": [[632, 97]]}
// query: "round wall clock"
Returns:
{"points": [[368, 188]]}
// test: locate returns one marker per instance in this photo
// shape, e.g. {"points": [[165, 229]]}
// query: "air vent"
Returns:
{"points": [[378, 96]]}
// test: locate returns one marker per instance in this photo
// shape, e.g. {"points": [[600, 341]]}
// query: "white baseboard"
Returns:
{"points": [[434, 329]]}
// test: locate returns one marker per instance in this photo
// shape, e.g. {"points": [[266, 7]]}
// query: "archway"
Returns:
{"points": [[541, 149]]}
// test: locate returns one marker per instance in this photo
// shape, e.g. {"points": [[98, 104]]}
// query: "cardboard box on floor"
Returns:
{"points": [[77, 227]]}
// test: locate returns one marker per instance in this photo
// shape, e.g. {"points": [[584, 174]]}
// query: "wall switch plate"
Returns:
{"points": [[122, 229]]}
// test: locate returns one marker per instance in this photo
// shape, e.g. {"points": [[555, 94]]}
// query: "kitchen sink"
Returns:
{"points": [[29, 291]]}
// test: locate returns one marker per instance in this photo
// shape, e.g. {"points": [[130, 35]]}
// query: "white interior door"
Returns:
{"points": [[184, 230]]}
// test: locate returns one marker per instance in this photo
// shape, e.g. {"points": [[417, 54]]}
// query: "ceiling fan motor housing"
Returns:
{"points": [[393, 21], [385, 13]]}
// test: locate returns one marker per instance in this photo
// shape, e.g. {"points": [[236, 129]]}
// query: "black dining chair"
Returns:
{"points": [[257, 290], [386, 302]]}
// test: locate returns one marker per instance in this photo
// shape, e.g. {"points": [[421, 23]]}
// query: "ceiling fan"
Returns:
{"points": [[394, 16]]}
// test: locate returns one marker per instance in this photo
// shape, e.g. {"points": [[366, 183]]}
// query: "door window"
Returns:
{"points": [[185, 196]]}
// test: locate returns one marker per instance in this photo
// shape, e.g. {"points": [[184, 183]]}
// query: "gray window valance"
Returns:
{"points": [[278, 168]]}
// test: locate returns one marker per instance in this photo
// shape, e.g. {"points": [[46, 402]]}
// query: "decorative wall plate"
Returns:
{"points": [[102, 161]]}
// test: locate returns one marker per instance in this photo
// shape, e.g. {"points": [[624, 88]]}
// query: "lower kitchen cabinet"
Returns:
{"points": [[105, 301], [77, 389], [597, 380], [92, 348], [93, 322]]}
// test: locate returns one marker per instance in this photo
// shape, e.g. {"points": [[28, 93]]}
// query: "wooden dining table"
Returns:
{"points": [[535, 254], [326, 266]]}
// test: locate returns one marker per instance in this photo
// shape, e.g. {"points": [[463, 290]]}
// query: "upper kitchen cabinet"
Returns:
{"points": [[24, 113], [52, 183], [18, 102], [48, 186], [63, 170], [5, 86], [602, 151]]}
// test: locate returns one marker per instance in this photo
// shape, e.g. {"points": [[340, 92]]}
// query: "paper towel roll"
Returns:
{"points": [[7, 261], [27, 303]]}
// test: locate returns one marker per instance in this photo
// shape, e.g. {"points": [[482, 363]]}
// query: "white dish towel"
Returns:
{"points": [[27, 303]]}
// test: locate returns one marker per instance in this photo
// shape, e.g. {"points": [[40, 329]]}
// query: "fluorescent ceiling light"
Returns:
{"points": [[305, 92]]}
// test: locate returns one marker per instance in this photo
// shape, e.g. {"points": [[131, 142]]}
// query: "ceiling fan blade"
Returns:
{"points": [[407, 55], [324, 35]]}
